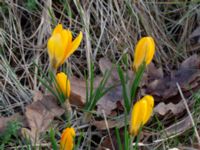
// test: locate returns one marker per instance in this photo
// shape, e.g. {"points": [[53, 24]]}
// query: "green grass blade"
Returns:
{"points": [[136, 81], [124, 89], [53, 140], [118, 139]]}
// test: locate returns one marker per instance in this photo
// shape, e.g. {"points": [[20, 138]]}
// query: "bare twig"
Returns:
{"points": [[106, 122], [189, 113]]}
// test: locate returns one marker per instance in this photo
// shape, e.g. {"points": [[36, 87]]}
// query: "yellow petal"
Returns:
{"points": [[63, 83], [67, 38], [56, 50], [150, 104], [144, 51], [75, 45], [67, 139], [137, 116], [50, 46], [58, 29], [151, 50]]}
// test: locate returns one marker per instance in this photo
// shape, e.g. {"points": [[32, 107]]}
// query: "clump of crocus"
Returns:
{"points": [[61, 46], [141, 113], [63, 84], [67, 139], [144, 52]]}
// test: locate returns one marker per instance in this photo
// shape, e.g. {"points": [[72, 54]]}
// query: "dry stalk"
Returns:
{"points": [[189, 113]]}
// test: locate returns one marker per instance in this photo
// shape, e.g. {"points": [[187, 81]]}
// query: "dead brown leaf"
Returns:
{"points": [[109, 101], [162, 109], [153, 72], [106, 65], [166, 88], [101, 125], [188, 76], [78, 92], [39, 115], [192, 62]]}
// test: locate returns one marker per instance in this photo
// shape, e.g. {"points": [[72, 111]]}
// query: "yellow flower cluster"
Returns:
{"points": [[142, 110], [60, 47]]}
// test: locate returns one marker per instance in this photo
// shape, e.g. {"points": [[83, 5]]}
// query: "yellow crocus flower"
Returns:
{"points": [[60, 45], [67, 139], [144, 52], [141, 113], [63, 83]]}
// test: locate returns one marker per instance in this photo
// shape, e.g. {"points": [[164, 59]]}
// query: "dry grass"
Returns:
{"points": [[111, 28]]}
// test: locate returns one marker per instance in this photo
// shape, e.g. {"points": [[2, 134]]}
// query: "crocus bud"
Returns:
{"points": [[63, 83], [144, 52], [60, 45], [141, 113], [67, 139]]}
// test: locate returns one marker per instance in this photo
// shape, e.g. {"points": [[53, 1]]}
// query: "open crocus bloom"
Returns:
{"points": [[67, 139], [63, 83], [60, 45], [144, 52], [141, 113]]}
